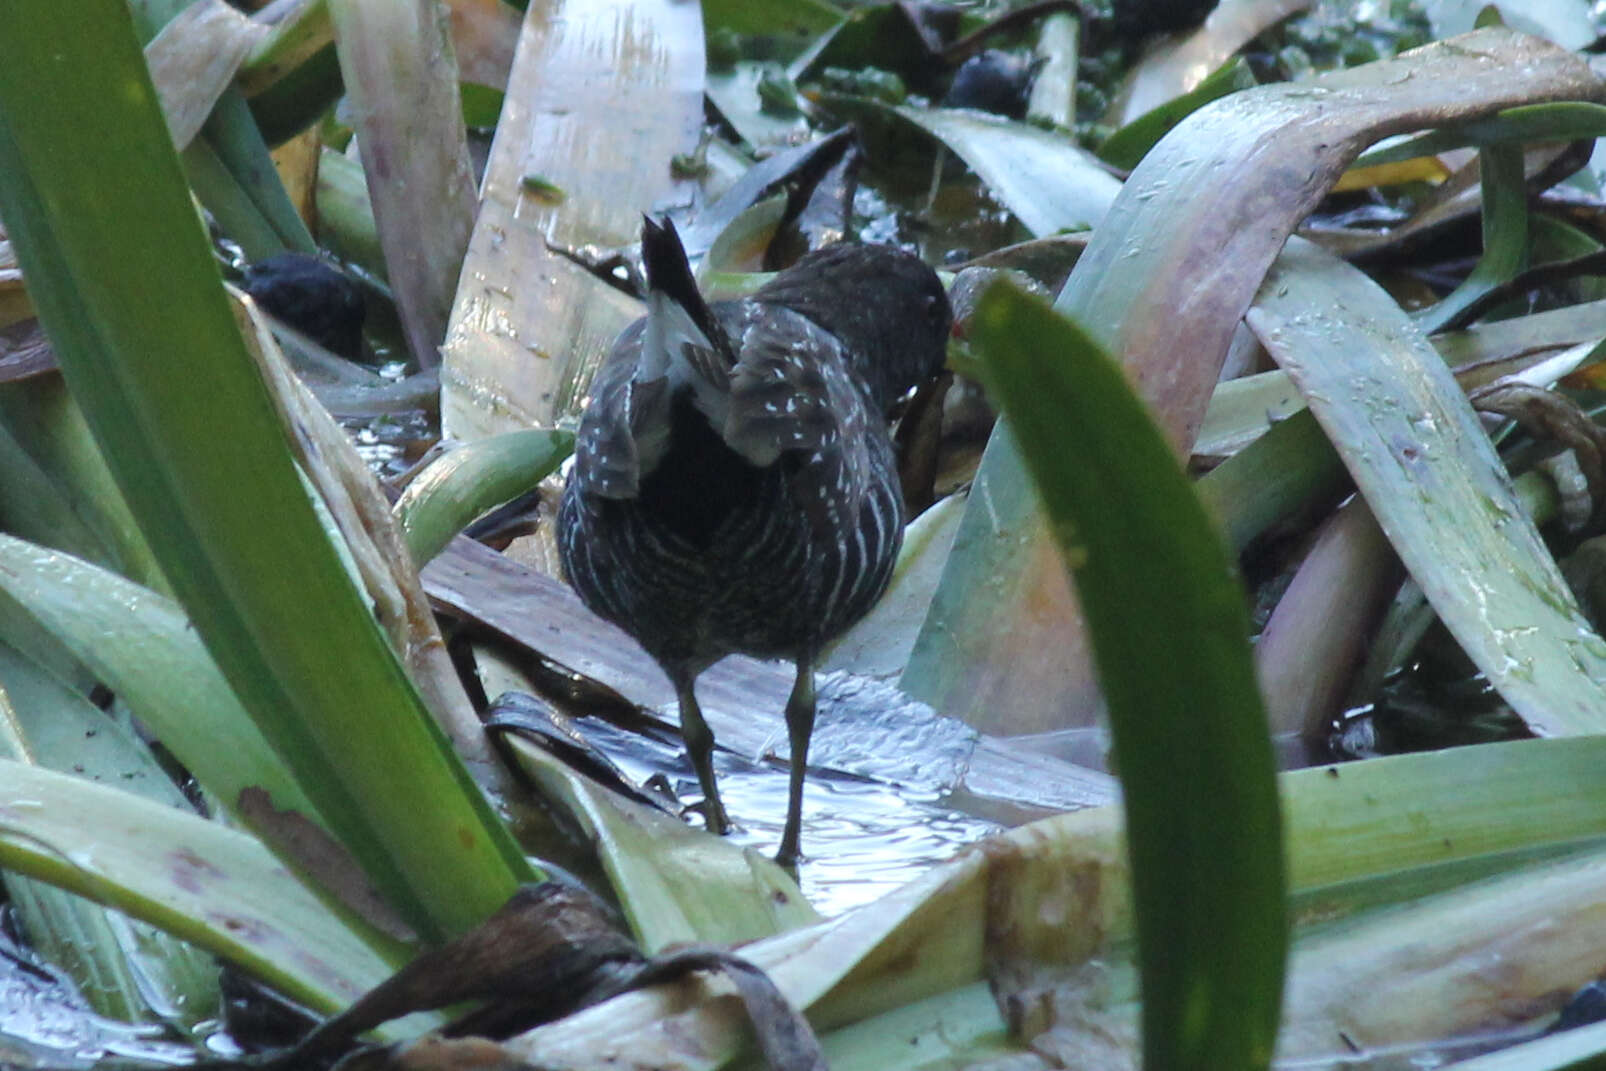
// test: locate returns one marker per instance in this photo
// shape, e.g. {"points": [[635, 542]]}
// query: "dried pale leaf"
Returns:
{"points": [[193, 60], [401, 81], [601, 97], [484, 33], [1053, 95], [1169, 69], [1315, 640]]}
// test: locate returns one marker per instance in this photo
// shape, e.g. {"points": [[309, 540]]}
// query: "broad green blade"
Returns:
{"points": [[1350, 821], [127, 288], [232, 133], [1171, 640], [215, 887], [1127, 146], [1053, 896], [446, 497], [674, 883], [46, 424], [1241, 410], [142, 646], [1436, 485], [1505, 236], [1045, 178], [1268, 480], [126, 970], [771, 16], [959, 1028], [1560, 121]]}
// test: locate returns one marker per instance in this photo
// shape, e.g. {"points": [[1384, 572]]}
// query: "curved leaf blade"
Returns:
{"points": [[1156, 584], [128, 289], [215, 887], [446, 497], [1433, 479]]}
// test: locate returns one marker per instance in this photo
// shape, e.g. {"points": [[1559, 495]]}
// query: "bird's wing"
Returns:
{"points": [[621, 422], [791, 393], [781, 390]]}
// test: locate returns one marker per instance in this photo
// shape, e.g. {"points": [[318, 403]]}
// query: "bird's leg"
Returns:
{"points": [[700, 746], [799, 727]]}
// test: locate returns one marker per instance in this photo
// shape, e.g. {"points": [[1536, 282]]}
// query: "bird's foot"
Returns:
{"points": [[714, 816]]}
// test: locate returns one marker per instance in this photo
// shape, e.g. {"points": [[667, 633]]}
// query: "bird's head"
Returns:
{"points": [[887, 306]]}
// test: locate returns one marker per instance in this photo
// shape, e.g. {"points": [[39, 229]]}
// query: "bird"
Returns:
{"points": [[734, 486]]}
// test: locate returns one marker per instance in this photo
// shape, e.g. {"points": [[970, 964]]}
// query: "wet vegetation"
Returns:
{"points": [[1290, 527]]}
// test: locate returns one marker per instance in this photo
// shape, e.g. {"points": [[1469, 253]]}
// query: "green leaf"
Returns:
{"points": [[446, 497], [1557, 121], [48, 431], [771, 16], [1044, 910], [233, 134], [295, 102], [1170, 635], [1164, 284], [1045, 178], [1127, 146], [1505, 236], [674, 883], [215, 887], [129, 293], [142, 647], [1271, 478], [1433, 479], [126, 970]]}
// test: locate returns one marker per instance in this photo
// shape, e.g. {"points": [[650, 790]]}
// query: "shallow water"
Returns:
{"points": [[862, 835]]}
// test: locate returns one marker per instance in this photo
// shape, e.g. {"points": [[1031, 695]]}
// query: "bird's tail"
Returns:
{"points": [[684, 341]]}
